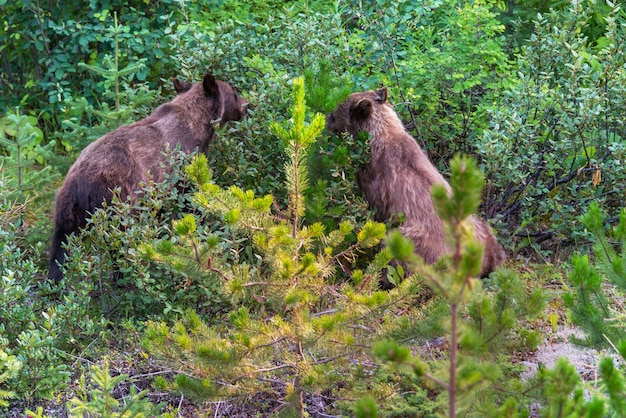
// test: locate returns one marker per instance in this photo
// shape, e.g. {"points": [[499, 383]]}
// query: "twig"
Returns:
{"points": [[160, 372], [347, 250], [180, 403], [268, 369], [275, 381], [269, 344], [217, 408], [326, 312], [329, 359], [437, 380], [259, 284], [37, 12]]}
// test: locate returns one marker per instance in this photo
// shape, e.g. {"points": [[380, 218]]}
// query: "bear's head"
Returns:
{"points": [[234, 107], [356, 113], [226, 104]]}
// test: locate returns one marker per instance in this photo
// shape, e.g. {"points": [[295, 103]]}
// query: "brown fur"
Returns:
{"points": [[399, 177], [131, 154]]}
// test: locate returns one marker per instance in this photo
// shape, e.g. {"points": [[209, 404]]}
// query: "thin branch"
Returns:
{"points": [[275, 381], [260, 284], [37, 12], [269, 344], [453, 360], [157, 373], [329, 359], [437, 380], [326, 312], [342, 253], [267, 369]]}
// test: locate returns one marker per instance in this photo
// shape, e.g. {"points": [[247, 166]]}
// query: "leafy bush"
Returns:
{"points": [[557, 135], [9, 368], [35, 330], [259, 57], [109, 252], [121, 102], [45, 42], [441, 60]]}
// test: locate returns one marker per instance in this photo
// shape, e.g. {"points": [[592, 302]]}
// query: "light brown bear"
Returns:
{"points": [[399, 177], [131, 154]]}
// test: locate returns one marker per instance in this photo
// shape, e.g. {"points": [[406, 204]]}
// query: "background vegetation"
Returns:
{"points": [[253, 288]]}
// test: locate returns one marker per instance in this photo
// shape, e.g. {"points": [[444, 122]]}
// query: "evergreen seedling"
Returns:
{"points": [[112, 75], [592, 307], [482, 321], [324, 89], [589, 305], [21, 138], [100, 401], [297, 140], [288, 325]]}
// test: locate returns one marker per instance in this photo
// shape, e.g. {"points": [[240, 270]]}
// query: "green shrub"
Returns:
{"points": [[441, 61], [9, 368], [45, 42], [556, 137], [35, 330], [259, 57], [110, 252]]}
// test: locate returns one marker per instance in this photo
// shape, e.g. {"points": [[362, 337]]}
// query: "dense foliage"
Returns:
{"points": [[251, 276], [557, 133]]}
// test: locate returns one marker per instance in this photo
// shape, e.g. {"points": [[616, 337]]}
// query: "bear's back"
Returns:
{"points": [[400, 176]]}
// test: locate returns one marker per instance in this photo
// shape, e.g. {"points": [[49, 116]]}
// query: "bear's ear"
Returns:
{"points": [[381, 95], [181, 86], [361, 110], [211, 89]]}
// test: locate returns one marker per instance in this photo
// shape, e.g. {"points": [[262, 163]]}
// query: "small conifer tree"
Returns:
{"points": [[112, 75], [289, 329], [335, 159], [100, 400], [297, 140], [594, 287], [24, 156], [482, 319], [324, 90], [587, 301]]}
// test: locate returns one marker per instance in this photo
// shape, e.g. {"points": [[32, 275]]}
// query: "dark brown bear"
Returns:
{"points": [[131, 154], [399, 177]]}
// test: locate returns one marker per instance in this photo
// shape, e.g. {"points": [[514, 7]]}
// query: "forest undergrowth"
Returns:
{"points": [[248, 282]]}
